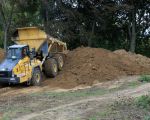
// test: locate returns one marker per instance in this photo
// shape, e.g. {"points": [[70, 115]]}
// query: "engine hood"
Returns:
{"points": [[8, 64]]}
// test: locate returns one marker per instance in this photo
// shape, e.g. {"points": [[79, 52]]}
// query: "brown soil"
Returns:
{"points": [[87, 66], [139, 59]]}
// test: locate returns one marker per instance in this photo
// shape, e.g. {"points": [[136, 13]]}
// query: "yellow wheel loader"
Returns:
{"points": [[34, 52]]}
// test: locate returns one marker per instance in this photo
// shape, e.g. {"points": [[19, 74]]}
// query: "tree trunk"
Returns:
{"points": [[133, 33], [6, 24], [45, 14], [5, 39], [92, 33]]}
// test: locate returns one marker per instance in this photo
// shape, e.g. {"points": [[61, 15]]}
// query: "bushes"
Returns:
{"points": [[144, 78], [143, 102], [147, 118]]}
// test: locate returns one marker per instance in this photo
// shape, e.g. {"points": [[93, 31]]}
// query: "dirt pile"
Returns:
{"points": [[1, 54], [139, 59], [86, 66]]}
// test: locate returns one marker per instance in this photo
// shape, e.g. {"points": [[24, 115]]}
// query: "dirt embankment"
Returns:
{"points": [[86, 66]]}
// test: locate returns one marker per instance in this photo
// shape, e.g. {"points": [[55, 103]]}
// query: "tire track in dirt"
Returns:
{"points": [[74, 110]]}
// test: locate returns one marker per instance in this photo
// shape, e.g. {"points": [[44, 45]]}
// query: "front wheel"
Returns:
{"points": [[36, 77]]}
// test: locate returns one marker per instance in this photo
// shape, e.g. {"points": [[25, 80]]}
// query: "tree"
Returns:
{"points": [[110, 24], [134, 16], [6, 13]]}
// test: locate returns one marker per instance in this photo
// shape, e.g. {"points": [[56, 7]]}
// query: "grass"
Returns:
{"points": [[79, 93], [147, 117], [143, 102], [127, 85], [144, 78], [133, 84], [93, 118], [12, 111]]}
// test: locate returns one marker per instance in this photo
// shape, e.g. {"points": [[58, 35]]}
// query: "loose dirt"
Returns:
{"points": [[139, 59], [87, 66]]}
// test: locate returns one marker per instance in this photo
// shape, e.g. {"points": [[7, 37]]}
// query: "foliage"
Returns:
{"points": [[107, 24], [147, 118], [143, 102], [144, 78]]}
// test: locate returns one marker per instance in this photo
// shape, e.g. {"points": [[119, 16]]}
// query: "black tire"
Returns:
{"points": [[60, 61], [50, 66], [36, 77]]}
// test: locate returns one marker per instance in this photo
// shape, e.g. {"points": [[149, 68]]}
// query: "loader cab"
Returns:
{"points": [[17, 51]]}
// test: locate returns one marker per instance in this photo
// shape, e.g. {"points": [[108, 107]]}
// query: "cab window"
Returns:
{"points": [[24, 52]]}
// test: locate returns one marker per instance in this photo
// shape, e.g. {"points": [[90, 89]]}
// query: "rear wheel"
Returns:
{"points": [[50, 67], [36, 77], [60, 61]]}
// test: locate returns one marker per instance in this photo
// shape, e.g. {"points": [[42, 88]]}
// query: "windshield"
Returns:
{"points": [[14, 53]]}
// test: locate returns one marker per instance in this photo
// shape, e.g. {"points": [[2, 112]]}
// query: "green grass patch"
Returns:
{"points": [[143, 102], [133, 84], [147, 117], [144, 78], [79, 93], [93, 118]]}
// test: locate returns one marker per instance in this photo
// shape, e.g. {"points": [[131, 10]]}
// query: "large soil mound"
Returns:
{"points": [[86, 66]]}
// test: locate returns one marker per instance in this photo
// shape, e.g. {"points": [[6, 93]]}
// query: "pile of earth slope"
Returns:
{"points": [[88, 66]]}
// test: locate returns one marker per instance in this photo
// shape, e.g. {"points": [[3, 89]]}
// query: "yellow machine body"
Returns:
{"points": [[24, 69], [28, 39]]}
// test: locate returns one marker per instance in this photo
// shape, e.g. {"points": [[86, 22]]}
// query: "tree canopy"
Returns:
{"points": [[110, 24]]}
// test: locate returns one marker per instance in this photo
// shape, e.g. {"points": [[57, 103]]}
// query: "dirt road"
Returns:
{"points": [[80, 108]]}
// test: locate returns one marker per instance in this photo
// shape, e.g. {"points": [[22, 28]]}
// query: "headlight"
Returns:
{"points": [[13, 75]]}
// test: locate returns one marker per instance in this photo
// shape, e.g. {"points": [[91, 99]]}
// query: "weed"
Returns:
{"points": [[92, 118], [133, 84], [147, 118], [144, 78], [143, 102], [80, 93]]}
